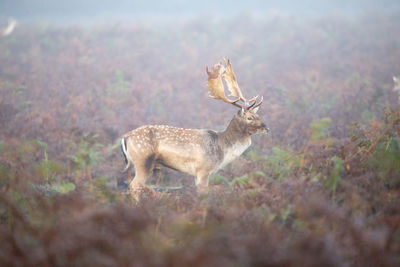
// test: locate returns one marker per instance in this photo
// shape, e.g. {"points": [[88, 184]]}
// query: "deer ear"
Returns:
{"points": [[241, 112], [255, 109]]}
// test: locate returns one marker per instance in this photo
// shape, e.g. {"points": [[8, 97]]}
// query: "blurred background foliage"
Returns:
{"points": [[322, 189]]}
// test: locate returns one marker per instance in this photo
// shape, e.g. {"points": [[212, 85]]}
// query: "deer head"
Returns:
{"points": [[246, 117]]}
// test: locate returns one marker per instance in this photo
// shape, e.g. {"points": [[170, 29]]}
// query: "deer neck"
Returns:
{"points": [[235, 135]]}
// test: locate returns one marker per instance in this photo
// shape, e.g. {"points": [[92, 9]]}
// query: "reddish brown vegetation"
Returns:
{"points": [[322, 190]]}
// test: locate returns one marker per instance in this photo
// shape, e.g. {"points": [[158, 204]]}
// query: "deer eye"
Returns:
{"points": [[249, 118]]}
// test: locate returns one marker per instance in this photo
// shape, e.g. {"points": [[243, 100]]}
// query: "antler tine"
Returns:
{"points": [[236, 104], [254, 100], [254, 105]]}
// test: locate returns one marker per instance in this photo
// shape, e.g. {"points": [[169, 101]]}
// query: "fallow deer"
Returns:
{"points": [[198, 152]]}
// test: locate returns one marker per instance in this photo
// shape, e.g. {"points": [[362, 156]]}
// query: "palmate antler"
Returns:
{"points": [[216, 86]]}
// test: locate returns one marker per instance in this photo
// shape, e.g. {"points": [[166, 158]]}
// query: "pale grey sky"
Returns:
{"points": [[126, 9]]}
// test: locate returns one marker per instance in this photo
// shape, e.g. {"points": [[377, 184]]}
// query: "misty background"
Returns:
{"points": [[323, 189], [94, 10]]}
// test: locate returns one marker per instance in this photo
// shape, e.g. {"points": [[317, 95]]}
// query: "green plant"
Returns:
{"points": [[281, 163], [335, 178], [285, 213], [15, 88], [216, 178], [103, 190], [4, 177], [86, 155], [46, 168], [386, 160], [243, 180], [240, 181], [253, 155], [63, 187], [319, 129], [120, 84]]}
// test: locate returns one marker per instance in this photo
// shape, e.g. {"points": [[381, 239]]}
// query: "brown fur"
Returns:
{"points": [[197, 152]]}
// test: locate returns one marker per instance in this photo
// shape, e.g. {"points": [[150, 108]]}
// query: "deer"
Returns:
{"points": [[12, 23], [396, 87], [197, 152]]}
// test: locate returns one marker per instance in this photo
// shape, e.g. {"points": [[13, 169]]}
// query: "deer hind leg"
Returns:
{"points": [[144, 168]]}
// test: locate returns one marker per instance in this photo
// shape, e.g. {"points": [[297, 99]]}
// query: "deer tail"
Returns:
{"points": [[125, 152]]}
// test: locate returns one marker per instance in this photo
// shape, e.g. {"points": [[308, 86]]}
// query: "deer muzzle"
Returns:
{"points": [[264, 128]]}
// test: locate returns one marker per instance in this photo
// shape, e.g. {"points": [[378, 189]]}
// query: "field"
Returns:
{"points": [[323, 189]]}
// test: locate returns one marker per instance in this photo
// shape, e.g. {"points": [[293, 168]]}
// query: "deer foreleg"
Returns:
{"points": [[202, 181]]}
